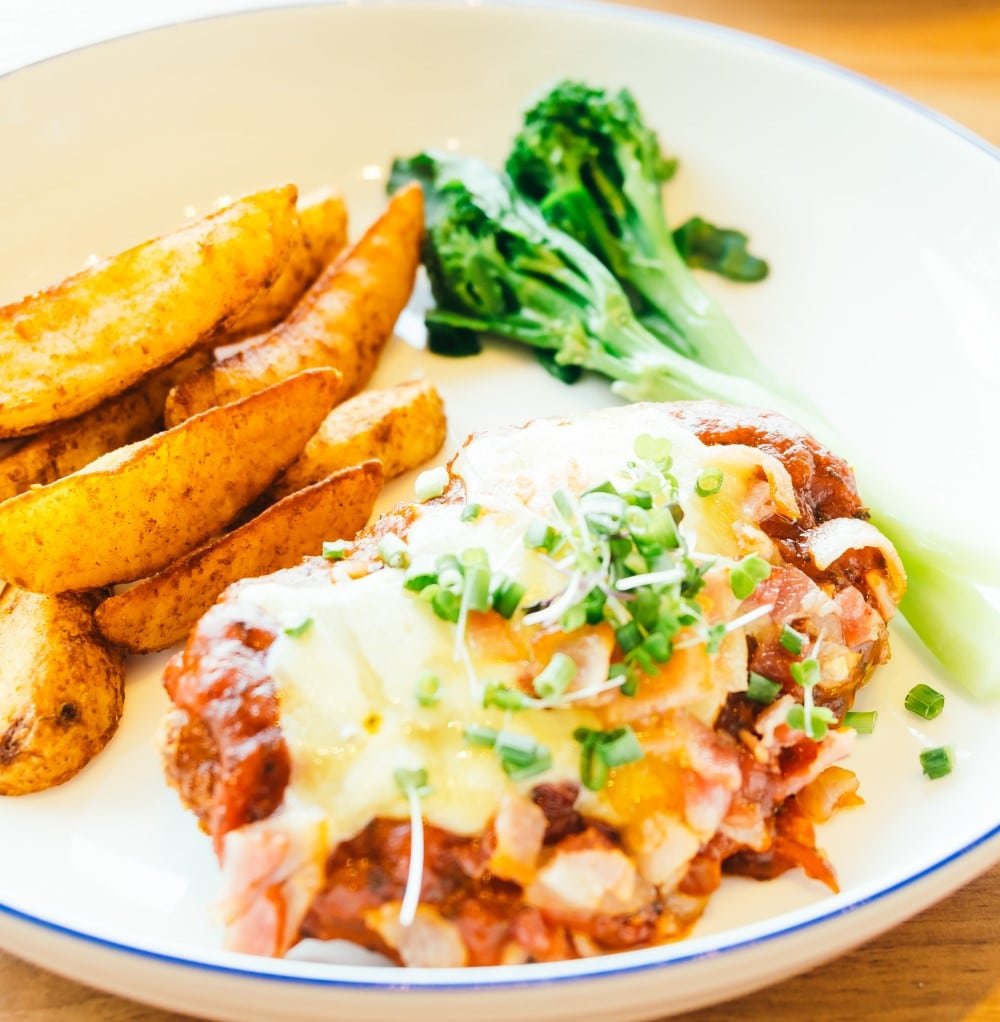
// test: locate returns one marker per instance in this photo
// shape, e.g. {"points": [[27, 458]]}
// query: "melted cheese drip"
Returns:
{"points": [[349, 712]]}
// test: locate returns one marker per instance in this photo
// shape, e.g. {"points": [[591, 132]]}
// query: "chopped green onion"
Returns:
{"points": [[477, 734], [428, 689], [746, 575], [412, 780], [430, 484], [924, 701], [620, 747], [761, 689], [542, 536], [652, 448], [470, 512], [393, 551], [420, 575], [445, 603], [503, 698], [300, 629], [603, 750], [709, 482], [863, 721], [938, 762], [805, 672], [336, 550], [604, 512], [507, 596], [521, 756], [557, 676], [792, 640], [476, 592]]}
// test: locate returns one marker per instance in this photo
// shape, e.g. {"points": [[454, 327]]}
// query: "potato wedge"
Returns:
{"points": [[402, 427], [344, 320], [62, 687], [159, 611], [68, 446], [323, 233], [65, 350], [133, 511]]}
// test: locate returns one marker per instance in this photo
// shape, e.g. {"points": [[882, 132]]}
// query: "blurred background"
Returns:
{"points": [[944, 53]]}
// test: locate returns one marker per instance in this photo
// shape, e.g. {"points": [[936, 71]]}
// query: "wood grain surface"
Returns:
{"points": [[944, 964]]}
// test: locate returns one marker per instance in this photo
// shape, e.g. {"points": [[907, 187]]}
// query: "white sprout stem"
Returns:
{"points": [[555, 610], [651, 578], [749, 616], [415, 870]]}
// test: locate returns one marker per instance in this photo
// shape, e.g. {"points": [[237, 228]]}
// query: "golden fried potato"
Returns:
{"points": [[344, 320], [323, 224], [402, 426], [133, 511], [159, 611], [68, 446], [64, 350], [61, 688]]}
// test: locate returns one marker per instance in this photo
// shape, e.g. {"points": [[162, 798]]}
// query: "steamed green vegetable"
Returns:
{"points": [[595, 170], [498, 267]]}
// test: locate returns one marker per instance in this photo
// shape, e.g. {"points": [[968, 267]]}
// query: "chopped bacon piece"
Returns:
{"points": [[519, 828]]}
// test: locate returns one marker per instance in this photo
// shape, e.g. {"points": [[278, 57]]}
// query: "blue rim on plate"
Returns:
{"points": [[597, 968]]}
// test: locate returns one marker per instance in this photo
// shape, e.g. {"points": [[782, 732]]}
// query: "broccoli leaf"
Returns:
{"points": [[719, 249]]}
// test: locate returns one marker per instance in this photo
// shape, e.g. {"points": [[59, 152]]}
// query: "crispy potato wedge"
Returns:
{"points": [[64, 350], [323, 233], [402, 427], [68, 446], [62, 687], [133, 511], [159, 611], [344, 320]]}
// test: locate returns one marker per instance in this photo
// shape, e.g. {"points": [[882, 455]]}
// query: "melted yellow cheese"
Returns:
{"points": [[347, 685]]}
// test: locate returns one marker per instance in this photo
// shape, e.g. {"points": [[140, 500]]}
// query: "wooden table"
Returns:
{"points": [[944, 964]]}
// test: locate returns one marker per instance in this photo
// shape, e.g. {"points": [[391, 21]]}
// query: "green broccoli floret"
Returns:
{"points": [[497, 267], [595, 169]]}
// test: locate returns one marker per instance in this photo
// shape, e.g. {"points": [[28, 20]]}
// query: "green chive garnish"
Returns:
{"points": [[445, 603], [428, 689], [709, 482], [792, 640], [542, 536], [336, 550], [431, 484], [507, 595], [557, 676], [477, 734], [521, 756], [863, 721], [603, 750], [924, 701], [420, 575], [652, 448], [470, 512], [476, 592], [295, 631], [937, 763], [503, 698], [761, 690], [393, 551]]}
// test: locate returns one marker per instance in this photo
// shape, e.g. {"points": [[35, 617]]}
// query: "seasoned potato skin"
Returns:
{"points": [[344, 320], [159, 611], [134, 510], [322, 234], [402, 426], [66, 349], [67, 446], [62, 688]]}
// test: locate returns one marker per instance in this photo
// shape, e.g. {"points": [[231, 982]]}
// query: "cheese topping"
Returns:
{"points": [[348, 683]]}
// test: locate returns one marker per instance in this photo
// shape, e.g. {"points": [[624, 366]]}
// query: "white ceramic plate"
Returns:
{"points": [[883, 229]]}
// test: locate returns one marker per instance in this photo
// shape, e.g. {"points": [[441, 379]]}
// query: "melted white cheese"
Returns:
{"points": [[347, 686]]}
